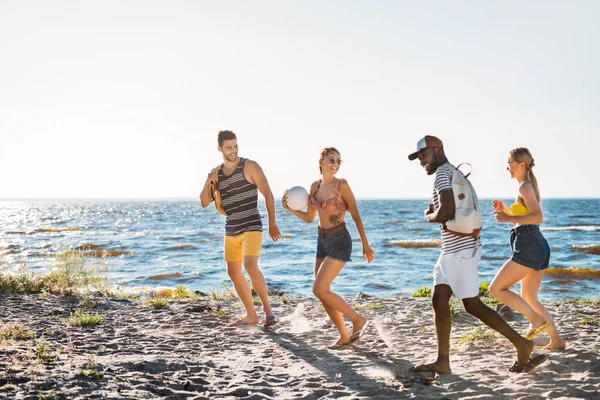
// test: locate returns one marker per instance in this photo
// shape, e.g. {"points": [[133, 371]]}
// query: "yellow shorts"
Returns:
{"points": [[244, 244]]}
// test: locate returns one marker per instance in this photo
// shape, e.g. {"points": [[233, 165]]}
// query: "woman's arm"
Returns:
{"points": [[535, 215], [307, 216], [350, 200]]}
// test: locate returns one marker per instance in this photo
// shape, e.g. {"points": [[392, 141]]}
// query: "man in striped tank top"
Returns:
{"points": [[456, 271], [239, 181]]}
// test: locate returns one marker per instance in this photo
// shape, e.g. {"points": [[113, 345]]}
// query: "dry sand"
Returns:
{"points": [[186, 351]]}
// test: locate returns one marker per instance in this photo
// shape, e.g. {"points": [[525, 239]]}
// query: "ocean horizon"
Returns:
{"points": [[149, 243]]}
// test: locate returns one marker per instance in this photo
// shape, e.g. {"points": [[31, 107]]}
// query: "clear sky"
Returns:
{"points": [[124, 99]]}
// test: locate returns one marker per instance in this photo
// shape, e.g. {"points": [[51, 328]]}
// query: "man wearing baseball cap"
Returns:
{"points": [[456, 271]]}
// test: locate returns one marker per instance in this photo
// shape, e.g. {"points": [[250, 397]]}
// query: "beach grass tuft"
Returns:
{"points": [[43, 352], [155, 302], [477, 333], [90, 369], [589, 321], [73, 272], [79, 318], [16, 331], [424, 291], [373, 306], [220, 312]]}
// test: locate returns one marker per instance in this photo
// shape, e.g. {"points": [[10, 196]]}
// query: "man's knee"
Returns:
{"points": [[234, 271], [472, 305], [441, 296]]}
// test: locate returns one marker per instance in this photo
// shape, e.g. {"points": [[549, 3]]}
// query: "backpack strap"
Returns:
{"points": [[465, 163]]}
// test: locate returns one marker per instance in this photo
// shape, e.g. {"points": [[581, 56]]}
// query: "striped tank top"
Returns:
{"points": [[239, 199]]}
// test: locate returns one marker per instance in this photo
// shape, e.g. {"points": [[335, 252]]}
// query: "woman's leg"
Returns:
{"points": [[336, 317], [508, 275], [335, 306], [530, 287]]}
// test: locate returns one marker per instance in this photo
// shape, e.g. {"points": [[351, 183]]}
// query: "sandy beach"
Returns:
{"points": [[189, 350]]}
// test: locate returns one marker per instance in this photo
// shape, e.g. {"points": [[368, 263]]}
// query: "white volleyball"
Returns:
{"points": [[297, 198]]}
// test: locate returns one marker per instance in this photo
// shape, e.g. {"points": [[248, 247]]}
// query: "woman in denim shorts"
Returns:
{"points": [[530, 253], [331, 197]]}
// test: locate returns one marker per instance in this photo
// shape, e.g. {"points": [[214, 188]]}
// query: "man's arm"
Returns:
{"points": [[205, 195], [446, 210], [255, 175]]}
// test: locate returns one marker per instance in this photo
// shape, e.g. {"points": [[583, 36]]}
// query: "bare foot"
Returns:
{"points": [[433, 368], [342, 342], [524, 350], [555, 345], [246, 321]]}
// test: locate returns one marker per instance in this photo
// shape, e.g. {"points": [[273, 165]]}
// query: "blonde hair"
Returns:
{"points": [[523, 155], [324, 152]]}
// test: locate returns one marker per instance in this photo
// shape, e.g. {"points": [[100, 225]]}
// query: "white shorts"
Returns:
{"points": [[459, 271]]}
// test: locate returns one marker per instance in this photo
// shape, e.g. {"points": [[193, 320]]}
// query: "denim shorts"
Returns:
{"points": [[529, 247], [337, 245]]}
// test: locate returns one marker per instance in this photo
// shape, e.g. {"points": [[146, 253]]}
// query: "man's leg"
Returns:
{"points": [[443, 327], [491, 318], [234, 269], [233, 258], [258, 282]]}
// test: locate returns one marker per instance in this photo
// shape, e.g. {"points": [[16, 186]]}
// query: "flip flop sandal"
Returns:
{"points": [[536, 331], [358, 334], [529, 365], [272, 320]]}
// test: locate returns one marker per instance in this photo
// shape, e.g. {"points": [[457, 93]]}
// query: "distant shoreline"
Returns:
{"points": [[193, 199]]}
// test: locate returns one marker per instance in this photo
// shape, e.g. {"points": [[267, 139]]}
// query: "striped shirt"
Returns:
{"points": [[450, 243], [239, 199]]}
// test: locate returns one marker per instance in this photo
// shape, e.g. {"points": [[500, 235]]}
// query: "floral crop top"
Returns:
{"points": [[332, 204]]}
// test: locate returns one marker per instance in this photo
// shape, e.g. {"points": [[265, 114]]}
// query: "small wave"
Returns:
{"points": [[572, 273], [88, 246], [162, 277], [14, 232], [588, 249], [582, 216], [379, 286], [589, 228], [417, 229], [287, 236], [47, 230], [181, 247], [203, 240], [175, 238], [414, 244], [398, 221], [108, 253]]}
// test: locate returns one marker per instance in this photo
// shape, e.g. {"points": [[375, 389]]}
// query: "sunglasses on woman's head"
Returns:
{"points": [[333, 161]]}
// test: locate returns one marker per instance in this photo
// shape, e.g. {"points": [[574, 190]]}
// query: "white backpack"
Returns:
{"points": [[467, 218]]}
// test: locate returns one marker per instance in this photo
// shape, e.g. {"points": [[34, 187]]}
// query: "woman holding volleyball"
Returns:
{"points": [[331, 197]]}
